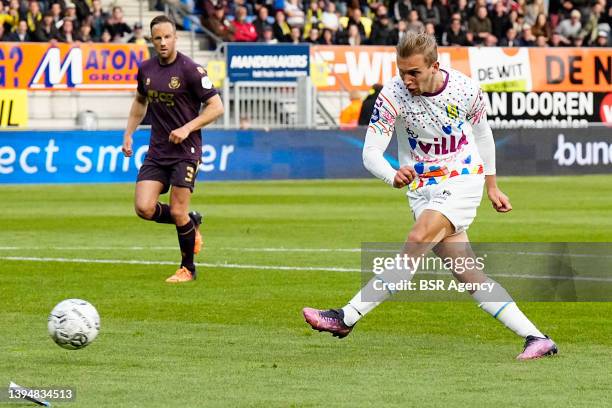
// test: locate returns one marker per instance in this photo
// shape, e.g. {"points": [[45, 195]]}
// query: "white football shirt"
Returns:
{"points": [[434, 131]]}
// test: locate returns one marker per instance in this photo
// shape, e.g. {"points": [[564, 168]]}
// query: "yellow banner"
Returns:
{"points": [[13, 108]]}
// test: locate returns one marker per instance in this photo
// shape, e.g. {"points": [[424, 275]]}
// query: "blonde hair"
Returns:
{"points": [[413, 43]]}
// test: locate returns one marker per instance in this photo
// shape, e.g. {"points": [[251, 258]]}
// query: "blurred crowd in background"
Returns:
{"points": [[66, 21], [528, 23]]}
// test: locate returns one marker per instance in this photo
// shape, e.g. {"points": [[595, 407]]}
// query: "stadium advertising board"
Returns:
{"points": [[497, 69], [257, 62], [13, 108], [91, 157], [508, 110], [88, 66]]}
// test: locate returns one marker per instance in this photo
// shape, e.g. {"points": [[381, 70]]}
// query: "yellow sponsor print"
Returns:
{"points": [[13, 108]]}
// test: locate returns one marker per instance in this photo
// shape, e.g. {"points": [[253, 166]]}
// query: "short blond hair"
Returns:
{"points": [[413, 43]]}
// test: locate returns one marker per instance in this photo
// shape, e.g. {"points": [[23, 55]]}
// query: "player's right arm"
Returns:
{"points": [[137, 114], [378, 137]]}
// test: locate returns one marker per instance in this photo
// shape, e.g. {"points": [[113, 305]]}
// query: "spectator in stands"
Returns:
{"points": [[527, 38], [296, 35], [117, 27], [414, 24], [531, 10], [84, 34], [353, 36], [66, 32], [262, 22], [354, 17], [429, 13], [83, 10], [381, 27], [2, 32], [603, 39], [500, 22], [398, 32], [455, 35], [541, 27], [329, 18], [282, 31], [232, 7], [541, 41], [327, 37], [243, 30], [513, 16], [556, 40], [577, 41], [268, 36], [401, 9], [218, 24], [22, 34], [571, 28], [106, 37], [313, 18], [490, 41], [33, 17], [349, 116], [46, 30], [314, 36], [566, 10], [70, 13], [590, 30], [367, 106], [480, 25], [138, 36], [98, 19], [12, 17], [461, 7], [510, 40], [295, 14]]}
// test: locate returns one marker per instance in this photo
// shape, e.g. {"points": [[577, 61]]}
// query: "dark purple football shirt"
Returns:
{"points": [[174, 93]]}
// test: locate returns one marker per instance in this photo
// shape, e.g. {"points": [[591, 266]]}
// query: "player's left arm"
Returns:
{"points": [[198, 82], [483, 136]]}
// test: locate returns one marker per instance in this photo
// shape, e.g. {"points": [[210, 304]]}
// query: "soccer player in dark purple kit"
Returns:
{"points": [[174, 88]]}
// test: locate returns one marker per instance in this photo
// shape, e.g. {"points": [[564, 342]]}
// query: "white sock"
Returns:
{"points": [[500, 305], [371, 295]]}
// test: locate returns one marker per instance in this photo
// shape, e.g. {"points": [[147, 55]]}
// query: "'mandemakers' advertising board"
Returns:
{"points": [[257, 62]]}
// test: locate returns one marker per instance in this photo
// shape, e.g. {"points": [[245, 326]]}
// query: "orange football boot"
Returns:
{"points": [[181, 275]]}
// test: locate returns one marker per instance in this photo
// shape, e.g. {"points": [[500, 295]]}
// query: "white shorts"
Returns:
{"points": [[456, 198]]}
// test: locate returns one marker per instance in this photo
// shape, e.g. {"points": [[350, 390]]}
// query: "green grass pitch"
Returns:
{"points": [[236, 336]]}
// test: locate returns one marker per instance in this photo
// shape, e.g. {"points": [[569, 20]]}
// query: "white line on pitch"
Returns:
{"points": [[174, 248], [279, 249], [206, 265], [283, 267]]}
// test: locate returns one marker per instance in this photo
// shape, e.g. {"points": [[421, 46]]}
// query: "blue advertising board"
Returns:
{"points": [[94, 157], [267, 62]]}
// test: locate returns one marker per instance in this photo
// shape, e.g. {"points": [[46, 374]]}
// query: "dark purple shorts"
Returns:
{"points": [[181, 173]]}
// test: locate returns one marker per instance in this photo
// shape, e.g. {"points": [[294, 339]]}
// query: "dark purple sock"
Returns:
{"points": [[186, 238], [162, 214]]}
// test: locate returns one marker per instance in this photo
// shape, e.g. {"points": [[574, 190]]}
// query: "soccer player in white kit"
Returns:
{"points": [[446, 155]]}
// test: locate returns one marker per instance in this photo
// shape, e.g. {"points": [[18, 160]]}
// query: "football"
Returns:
{"points": [[73, 323]]}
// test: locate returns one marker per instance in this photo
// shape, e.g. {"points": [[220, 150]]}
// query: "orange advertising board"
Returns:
{"points": [[496, 68], [90, 66]]}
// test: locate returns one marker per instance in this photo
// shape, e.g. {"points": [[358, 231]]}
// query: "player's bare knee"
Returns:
{"points": [[417, 236], [146, 212]]}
